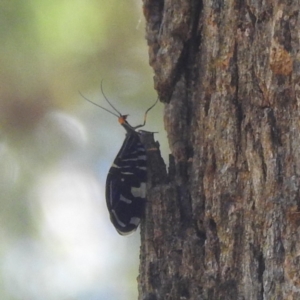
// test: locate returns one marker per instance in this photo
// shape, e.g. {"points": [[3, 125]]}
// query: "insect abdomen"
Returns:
{"points": [[126, 185]]}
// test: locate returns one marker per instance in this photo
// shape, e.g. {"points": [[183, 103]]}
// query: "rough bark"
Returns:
{"points": [[225, 223]]}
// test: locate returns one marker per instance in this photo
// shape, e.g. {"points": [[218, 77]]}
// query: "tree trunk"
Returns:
{"points": [[225, 222]]}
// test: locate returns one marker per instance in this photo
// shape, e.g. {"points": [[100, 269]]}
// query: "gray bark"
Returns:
{"points": [[224, 223]]}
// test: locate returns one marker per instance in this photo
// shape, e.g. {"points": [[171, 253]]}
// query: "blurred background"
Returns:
{"points": [[56, 148]]}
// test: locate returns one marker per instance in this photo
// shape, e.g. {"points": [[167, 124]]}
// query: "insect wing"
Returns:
{"points": [[126, 185]]}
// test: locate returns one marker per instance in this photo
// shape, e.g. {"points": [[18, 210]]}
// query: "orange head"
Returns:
{"points": [[122, 119]]}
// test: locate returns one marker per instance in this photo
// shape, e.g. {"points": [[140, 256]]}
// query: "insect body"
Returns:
{"points": [[126, 184], [126, 179]]}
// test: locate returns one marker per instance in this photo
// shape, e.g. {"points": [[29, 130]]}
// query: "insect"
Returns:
{"points": [[126, 179]]}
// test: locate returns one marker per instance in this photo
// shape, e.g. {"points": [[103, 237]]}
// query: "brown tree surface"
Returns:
{"points": [[224, 223]]}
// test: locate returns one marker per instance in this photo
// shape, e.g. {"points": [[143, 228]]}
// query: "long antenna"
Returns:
{"points": [[145, 116], [120, 115], [99, 105], [108, 100]]}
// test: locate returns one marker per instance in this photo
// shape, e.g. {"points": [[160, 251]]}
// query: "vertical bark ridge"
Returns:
{"points": [[225, 225]]}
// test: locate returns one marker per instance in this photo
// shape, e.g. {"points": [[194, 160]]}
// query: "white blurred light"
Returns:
{"points": [[60, 131], [79, 254]]}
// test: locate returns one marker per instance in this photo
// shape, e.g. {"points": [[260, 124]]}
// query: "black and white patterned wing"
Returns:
{"points": [[126, 185]]}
